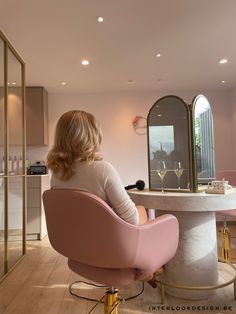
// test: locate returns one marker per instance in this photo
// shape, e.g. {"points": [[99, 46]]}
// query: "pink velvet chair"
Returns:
{"points": [[100, 246], [228, 175]]}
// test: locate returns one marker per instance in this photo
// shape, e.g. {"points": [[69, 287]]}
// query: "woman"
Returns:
{"points": [[76, 163]]}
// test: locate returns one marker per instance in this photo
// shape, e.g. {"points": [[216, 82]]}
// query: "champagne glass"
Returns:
{"points": [[161, 171], [178, 169]]}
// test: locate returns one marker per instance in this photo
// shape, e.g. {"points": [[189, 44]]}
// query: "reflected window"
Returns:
{"points": [[204, 140], [161, 139]]}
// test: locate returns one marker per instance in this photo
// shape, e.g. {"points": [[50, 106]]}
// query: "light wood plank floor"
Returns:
{"points": [[39, 285]]}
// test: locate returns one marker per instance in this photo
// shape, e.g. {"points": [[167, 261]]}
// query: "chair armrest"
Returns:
{"points": [[157, 243]]}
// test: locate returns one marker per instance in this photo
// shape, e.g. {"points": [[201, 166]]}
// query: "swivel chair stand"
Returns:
{"points": [[111, 301], [225, 240]]}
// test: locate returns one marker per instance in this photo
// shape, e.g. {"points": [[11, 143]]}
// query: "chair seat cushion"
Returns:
{"points": [[107, 276]]}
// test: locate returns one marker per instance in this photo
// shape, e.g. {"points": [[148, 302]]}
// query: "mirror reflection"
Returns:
{"points": [[204, 140], [168, 144]]}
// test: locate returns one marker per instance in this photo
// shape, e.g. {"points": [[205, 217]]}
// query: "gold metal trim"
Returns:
{"points": [[191, 146], [191, 189], [24, 181], [226, 247], [202, 288], [14, 51], [6, 157], [192, 157], [110, 300], [11, 268]]}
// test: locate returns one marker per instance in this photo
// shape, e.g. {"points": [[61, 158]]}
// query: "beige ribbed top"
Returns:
{"points": [[101, 179]]}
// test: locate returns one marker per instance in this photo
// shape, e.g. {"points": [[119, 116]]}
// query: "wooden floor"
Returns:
{"points": [[39, 285]]}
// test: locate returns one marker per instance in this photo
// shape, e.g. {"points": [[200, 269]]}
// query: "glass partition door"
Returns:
{"points": [[2, 168], [15, 152], [12, 156]]}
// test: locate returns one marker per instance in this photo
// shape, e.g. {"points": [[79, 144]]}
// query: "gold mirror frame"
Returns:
{"points": [[188, 130]]}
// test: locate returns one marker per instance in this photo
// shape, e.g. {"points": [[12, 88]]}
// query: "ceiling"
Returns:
{"points": [[192, 36]]}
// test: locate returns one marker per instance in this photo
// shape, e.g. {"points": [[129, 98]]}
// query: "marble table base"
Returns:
{"points": [[196, 260]]}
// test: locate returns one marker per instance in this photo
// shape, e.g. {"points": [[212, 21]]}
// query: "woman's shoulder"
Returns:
{"points": [[97, 165], [103, 165]]}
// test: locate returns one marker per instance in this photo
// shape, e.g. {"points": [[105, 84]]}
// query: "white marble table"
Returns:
{"points": [[196, 260]]}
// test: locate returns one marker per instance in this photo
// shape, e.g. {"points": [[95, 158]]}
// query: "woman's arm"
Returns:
{"points": [[117, 196]]}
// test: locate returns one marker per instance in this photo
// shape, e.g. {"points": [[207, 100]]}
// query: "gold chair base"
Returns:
{"points": [[184, 287], [226, 245], [111, 301]]}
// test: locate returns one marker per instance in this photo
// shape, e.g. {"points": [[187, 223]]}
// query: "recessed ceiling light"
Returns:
{"points": [[85, 62], [13, 83], [158, 55], [63, 83], [130, 81], [223, 82], [159, 80], [222, 61], [100, 19]]}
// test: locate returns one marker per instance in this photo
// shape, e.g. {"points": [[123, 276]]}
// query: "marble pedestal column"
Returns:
{"points": [[196, 260]]}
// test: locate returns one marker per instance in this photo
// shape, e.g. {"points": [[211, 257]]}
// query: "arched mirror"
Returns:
{"points": [[169, 145], [203, 137]]}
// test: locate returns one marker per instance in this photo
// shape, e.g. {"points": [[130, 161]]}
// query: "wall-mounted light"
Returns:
{"points": [[140, 124]]}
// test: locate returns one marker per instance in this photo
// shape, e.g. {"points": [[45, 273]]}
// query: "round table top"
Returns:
{"points": [[174, 201]]}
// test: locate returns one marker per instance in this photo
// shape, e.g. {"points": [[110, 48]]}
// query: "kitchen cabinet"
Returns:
{"points": [[36, 223], [36, 106], [36, 116]]}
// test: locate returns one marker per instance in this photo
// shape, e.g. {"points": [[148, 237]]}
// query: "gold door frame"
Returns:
{"points": [[9, 47]]}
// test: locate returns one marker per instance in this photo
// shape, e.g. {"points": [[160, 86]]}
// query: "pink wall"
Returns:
{"points": [[126, 150]]}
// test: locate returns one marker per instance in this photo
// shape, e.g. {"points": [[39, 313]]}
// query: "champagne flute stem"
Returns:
{"points": [[162, 185], [179, 183]]}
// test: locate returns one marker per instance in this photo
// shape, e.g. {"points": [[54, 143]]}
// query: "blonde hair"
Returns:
{"points": [[78, 137]]}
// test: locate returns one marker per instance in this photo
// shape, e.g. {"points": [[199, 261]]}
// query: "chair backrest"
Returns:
{"points": [[229, 175], [84, 228]]}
